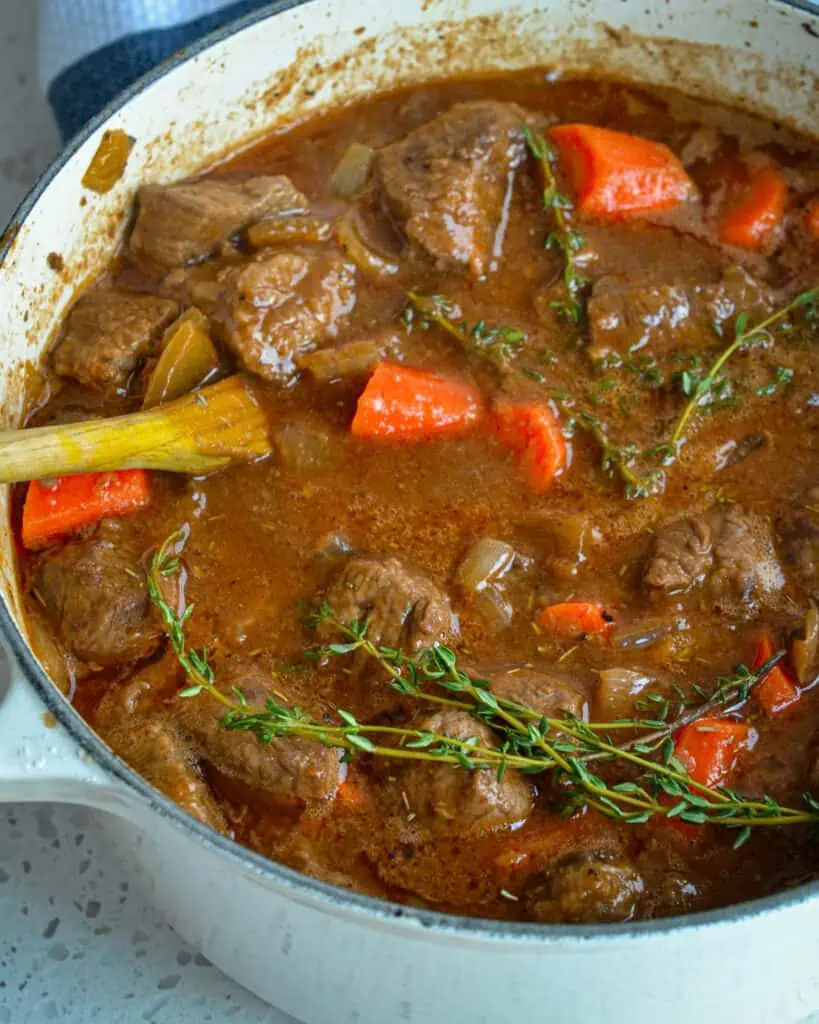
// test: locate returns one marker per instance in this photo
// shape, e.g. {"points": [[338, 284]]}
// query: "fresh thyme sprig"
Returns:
{"points": [[499, 344], [566, 745], [613, 458], [527, 742], [564, 237], [743, 335]]}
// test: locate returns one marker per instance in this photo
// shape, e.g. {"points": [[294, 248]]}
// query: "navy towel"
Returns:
{"points": [[90, 50]]}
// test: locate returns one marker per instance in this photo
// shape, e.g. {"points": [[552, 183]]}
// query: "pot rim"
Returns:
{"points": [[325, 896]]}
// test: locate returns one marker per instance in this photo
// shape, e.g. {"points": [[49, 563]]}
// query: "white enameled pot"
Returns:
{"points": [[321, 953]]}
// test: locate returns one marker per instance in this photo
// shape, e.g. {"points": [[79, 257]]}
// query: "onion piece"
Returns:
{"points": [[352, 170], [804, 647], [187, 361], [494, 608], [487, 561], [618, 691], [292, 229], [365, 258]]}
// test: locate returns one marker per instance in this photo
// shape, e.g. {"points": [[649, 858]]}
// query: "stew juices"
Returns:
{"points": [[518, 618]]}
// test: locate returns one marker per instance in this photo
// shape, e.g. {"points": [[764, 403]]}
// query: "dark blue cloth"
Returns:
{"points": [[84, 88]]}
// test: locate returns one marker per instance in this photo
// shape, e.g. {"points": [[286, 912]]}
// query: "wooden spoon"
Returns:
{"points": [[198, 433]]}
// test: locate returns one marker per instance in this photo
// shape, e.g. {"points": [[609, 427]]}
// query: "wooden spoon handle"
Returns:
{"points": [[201, 432]]}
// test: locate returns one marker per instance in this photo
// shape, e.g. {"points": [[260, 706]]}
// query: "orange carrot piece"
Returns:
{"points": [[812, 218], [616, 175], [533, 433], [573, 619], [777, 690], [65, 504], [403, 403], [710, 748], [353, 795], [752, 219]]}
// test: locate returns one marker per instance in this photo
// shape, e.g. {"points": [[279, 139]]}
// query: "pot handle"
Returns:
{"points": [[38, 758]]}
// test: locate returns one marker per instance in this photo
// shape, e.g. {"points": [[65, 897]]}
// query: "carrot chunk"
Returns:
{"points": [[403, 403], [812, 218], [710, 748], [65, 504], [777, 690], [757, 212], [615, 175], [532, 431], [573, 619]]}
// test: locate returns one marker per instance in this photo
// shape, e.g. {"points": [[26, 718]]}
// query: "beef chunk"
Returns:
{"points": [[285, 304], [729, 550], [403, 608], [544, 692], [290, 769], [802, 552], [163, 758], [186, 221], [585, 889], [98, 603], [447, 182], [627, 314], [459, 799], [106, 335]]}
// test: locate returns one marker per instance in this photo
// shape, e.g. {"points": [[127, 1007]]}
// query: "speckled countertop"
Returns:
{"points": [[78, 943]]}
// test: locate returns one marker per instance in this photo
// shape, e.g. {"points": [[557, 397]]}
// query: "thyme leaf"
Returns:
{"points": [[564, 237], [743, 335], [500, 345]]}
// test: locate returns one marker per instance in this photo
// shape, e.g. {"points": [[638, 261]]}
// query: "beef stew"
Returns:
{"points": [[518, 620]]}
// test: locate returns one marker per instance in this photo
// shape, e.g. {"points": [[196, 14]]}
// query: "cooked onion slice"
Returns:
{"points": [[494, 608], [352, 170], [803, 648], [618, 691], [366, 259], [486, 562]]}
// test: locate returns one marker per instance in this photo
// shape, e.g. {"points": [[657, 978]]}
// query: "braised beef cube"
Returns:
{"points": [[283, 305], [455, 798], [95, 594], [155, 748], [728, 550], [447, 182], [199, 285], [627, 314], [402, 607], [586, 888], [801, 546], [289, 768], [186, 221], [108, 333], [544, 692]]}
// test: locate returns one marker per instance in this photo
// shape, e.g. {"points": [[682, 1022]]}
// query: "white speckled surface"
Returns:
{"points": [[78, 943]]}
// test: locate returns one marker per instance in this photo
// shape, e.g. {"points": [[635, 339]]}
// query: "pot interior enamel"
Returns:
{"points": [[303, 57]]}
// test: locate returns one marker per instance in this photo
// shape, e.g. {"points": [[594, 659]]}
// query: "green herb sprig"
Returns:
{"points": [[500, 345], [528, 742], [743, 335], [564, 237]]}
